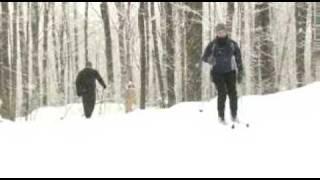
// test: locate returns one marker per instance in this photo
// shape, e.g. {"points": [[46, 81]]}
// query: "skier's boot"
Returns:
{"points": [[222, 121], [235, 120]]}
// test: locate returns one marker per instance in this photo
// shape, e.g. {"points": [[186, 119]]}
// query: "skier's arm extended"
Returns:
{"points": [[238, 57], [239, 63], [100, 80], [207, 53]]}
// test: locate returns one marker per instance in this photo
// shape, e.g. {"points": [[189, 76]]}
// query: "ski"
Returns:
{"points": [[239, 123]]}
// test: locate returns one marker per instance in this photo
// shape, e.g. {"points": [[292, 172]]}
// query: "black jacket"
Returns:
{"points": [[224, 55], [86, 81]]}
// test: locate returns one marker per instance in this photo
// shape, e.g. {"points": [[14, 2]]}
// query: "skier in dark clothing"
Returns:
{"points": [[86, 88], [225, 57]]}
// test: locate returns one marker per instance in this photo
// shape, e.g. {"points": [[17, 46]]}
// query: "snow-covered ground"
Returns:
{"points": [[283, 141]]}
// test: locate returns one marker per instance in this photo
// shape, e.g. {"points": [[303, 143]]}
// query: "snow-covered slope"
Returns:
{"points": [[283, 141]]}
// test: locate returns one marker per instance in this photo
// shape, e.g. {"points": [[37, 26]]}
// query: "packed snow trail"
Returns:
{"points": [[283, 141]]}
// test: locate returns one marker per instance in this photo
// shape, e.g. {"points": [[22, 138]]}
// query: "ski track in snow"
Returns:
{"points": [[282, 141]]}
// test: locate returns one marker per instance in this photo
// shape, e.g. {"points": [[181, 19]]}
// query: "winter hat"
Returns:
{"points": [[89, 64], [221, 27]]}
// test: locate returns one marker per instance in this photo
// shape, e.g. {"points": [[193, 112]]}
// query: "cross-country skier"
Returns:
{"points": [[225, 57], [86, 88]]}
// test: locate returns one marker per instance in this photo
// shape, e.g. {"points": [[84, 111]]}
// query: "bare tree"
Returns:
{"points": [[124, 63], [55, 45], [62, 59], [301, 25], [68, 56], [5, 66], [45, 54], [163, 32], [315, 43], [147, 49], [142, 13], [14, 60], [157, 56], [35, 22], [265, 68], [194, 50], [128, 37], [230, 14], [24, 60], [76, 38], [182, 16], [86, 21], [108, 42], [170, 52]]}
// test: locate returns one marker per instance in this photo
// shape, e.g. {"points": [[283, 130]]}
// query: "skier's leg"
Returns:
{"points": [[91, 104], [222, 94], [85, 102], [232, 93]]}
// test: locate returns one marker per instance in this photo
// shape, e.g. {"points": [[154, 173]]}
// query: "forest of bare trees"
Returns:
{"points": [[157, 46]]}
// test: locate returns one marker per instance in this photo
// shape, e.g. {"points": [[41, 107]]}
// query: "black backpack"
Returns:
{"points": [[211, 59]]}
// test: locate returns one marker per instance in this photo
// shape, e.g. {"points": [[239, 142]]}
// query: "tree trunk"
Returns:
{"points": [[29, 56], [170, 54], [163, 32], [62, 55], [128, 38], [35, 22], [108, 43], [14, 61], [76, 38], [55, 45], [5, 71], [315, 50], [255, 63], [243, 41], [230, 15], [142, 13], [24, 61], [122, 53], [194, 50], [265, 52], [86, 31], [68, 56], [183, 53], [157, 56], [45, 54], [301, 25]]}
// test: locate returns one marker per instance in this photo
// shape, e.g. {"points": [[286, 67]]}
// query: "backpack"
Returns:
{"points": [[211, 59]]}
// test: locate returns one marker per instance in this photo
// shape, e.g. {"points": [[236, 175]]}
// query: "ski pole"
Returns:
{"points": [[66, 112], [101, 103], [246, 123]]}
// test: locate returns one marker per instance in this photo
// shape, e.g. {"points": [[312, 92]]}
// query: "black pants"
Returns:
{"points": [[226, 85], [89, 101]]}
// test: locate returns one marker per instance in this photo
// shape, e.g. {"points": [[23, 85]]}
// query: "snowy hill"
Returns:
{"points": [[283, 141]]}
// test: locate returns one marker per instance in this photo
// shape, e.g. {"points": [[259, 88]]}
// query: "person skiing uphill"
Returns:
{"points": [[86, 88], [225, 57]]}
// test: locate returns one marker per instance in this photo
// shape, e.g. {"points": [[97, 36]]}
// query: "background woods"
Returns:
{"points": [[155, 45]]}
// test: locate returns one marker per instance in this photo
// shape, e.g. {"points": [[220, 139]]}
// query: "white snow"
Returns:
{"points": [[283, 141]]}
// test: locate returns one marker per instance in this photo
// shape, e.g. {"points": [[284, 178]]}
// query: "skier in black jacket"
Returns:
{"points": [[225, 57], [86, 88]]}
